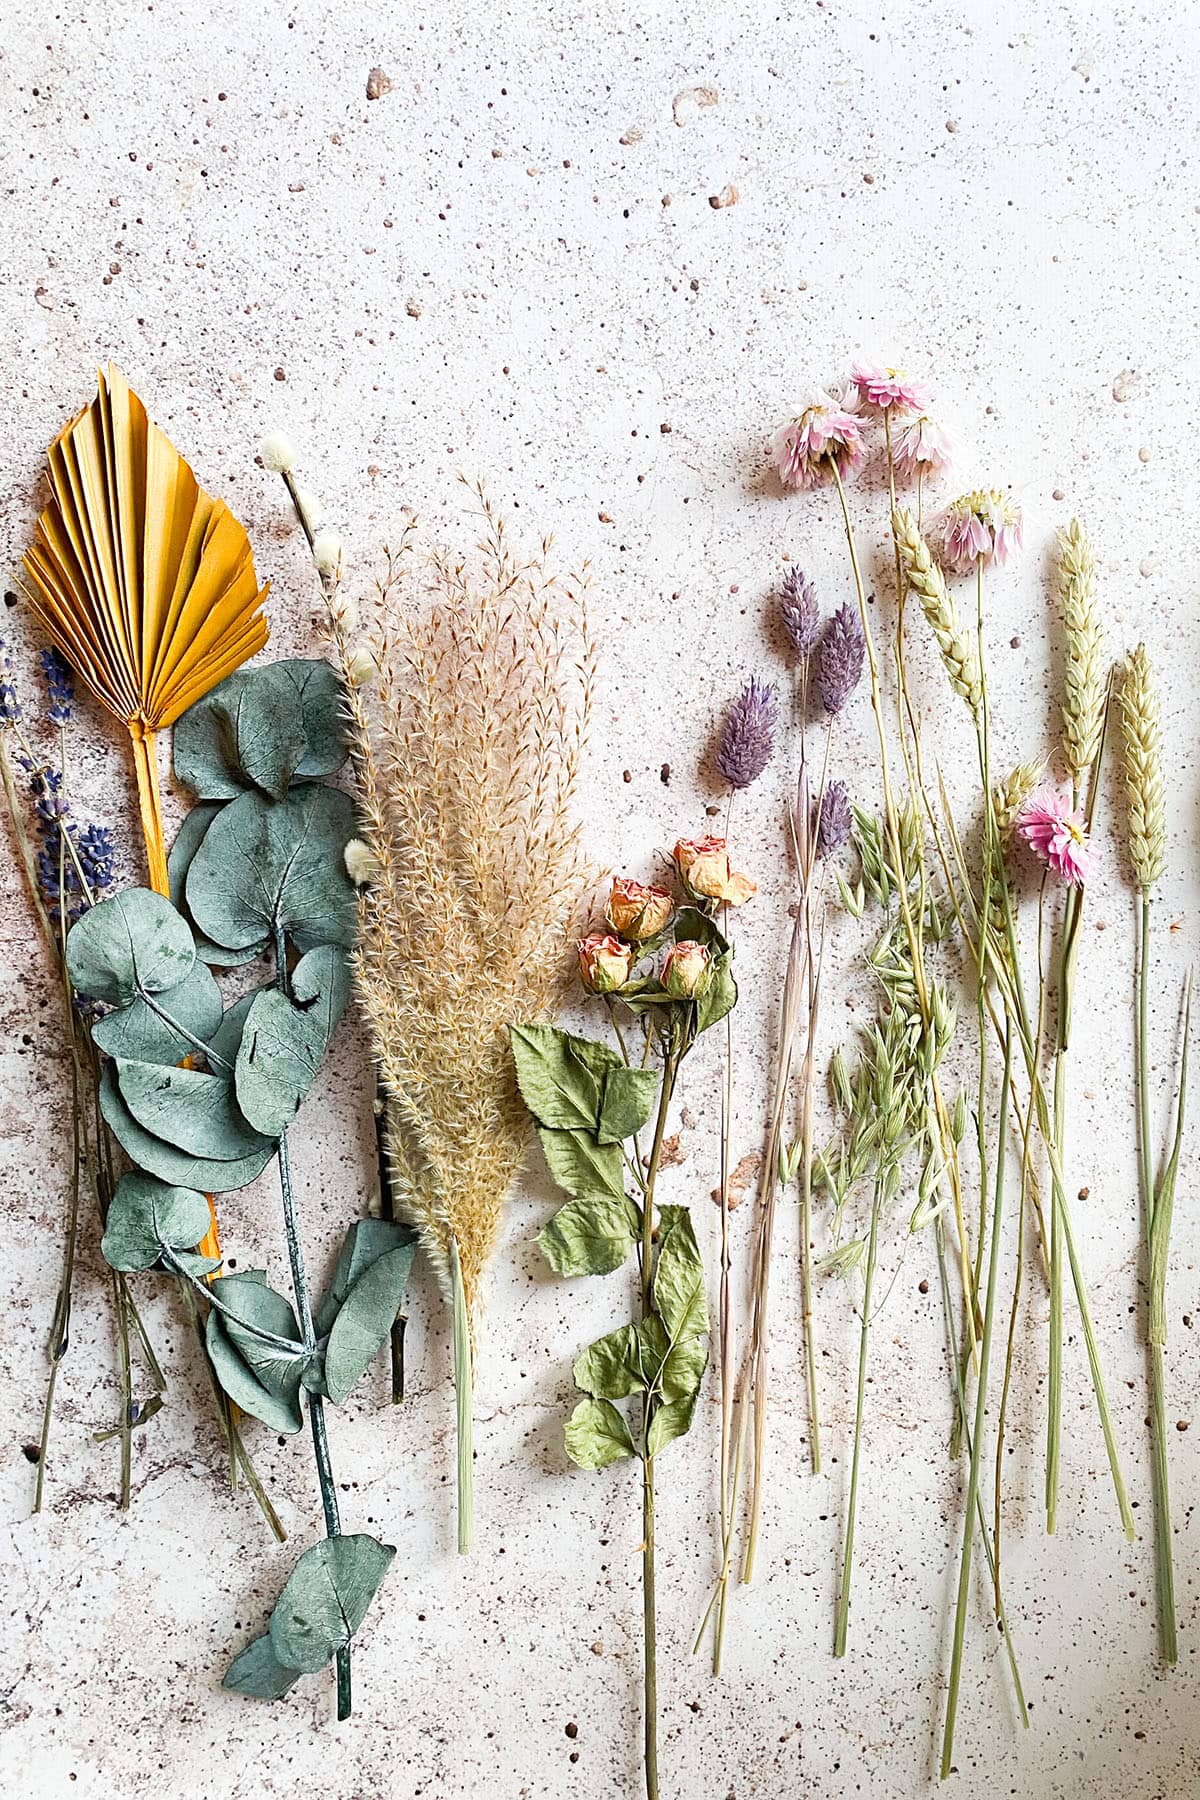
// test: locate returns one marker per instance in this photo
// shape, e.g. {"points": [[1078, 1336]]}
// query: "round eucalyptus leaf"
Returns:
{"points": [[266, 865], [138, 1030], [145, 1216], [257, 1671], [226, 1039], [171, 1165], [326, 1598], [196, 1112], [364, 1319], [134, 940], [188, 840], [318, 689], [262, 728], [285, 1038], [259, 1374]]}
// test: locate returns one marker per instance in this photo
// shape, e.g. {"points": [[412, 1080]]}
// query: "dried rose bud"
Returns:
{"points": [[687, 970], [604, 963], [703, 865], [636, 912]]}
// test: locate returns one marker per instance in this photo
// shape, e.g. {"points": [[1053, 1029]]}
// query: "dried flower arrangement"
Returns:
{"points": [[467, 713]]}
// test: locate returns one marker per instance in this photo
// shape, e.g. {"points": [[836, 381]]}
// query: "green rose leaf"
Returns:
{"points": [[263, 1377], [561, 1077], [139, 1032], [145, 1216], [133, 942], [597, 1435], [629, 1096], [276, 865], [364, 1319], [581, 1165], [670, 1422], [284, 1039], [679, 1296], [188, 840], [590, 1236], [194, 1111], [326, 1599], [257, 1671], [174, 1166], [611, 1368]]}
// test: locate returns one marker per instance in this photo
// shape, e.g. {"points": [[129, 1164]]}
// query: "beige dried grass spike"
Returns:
{"points": [[142, 580], [467, 767]]}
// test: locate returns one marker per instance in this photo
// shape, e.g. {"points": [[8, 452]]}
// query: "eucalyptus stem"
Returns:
{"points": [[981, 1391], [464, 1396], [843, 1612], [316, 1403]]}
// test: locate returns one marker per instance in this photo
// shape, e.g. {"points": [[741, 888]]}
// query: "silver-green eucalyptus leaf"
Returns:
{"points": [[326, 1598], [285, 1038], [196, 1112], [146, 1217], [364, 1320], [141, 1031], [134, 940], [268, 866], [174, 1166]]}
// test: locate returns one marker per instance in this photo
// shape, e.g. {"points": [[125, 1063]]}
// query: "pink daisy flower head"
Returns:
{"points": [[920, 447], [886, 390], [984, 526], [822, 439], [1056, 832]]}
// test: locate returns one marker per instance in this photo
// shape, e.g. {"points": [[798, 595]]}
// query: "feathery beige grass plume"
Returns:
{"points": [[1084, 679], [1143, 770], [466, 749], [927, 582]]}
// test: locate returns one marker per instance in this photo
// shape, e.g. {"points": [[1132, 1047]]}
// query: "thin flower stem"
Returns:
{"points": [[649, 1609], [464, 1404], [981, 1390], [726, 1326], [843, 1612]]}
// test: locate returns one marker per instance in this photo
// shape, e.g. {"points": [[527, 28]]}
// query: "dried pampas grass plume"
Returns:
{"points": [[467, 762]]}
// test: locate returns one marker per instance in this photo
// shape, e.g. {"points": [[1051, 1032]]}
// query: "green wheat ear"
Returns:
{"points": [[1143, 770], [1084, 676]]}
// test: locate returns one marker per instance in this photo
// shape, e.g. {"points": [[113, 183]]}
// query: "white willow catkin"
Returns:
{"points": [[1143, 770], [1083, 679], [929, 585]]}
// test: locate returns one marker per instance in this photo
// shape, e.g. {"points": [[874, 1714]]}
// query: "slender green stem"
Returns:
{"points": [[464, 1398], [981, 1390], [649, 1608], [843, 1612]]}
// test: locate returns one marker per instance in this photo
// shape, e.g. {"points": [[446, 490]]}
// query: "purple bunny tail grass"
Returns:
{"points": [[832, 820], [748, 735], [840, 659], [798, 612]]}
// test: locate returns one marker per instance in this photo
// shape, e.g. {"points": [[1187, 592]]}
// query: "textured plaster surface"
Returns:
{"points": [[510, 263]]}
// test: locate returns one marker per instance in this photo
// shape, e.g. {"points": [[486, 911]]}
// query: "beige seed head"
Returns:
{"points": [[1010, 794], [1083, 679], [1143, 770], [927, 582]]}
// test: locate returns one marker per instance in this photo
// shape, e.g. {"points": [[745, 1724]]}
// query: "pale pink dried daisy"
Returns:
{"points": [[888, 390], [920, 447], [822, 439], [1057, 833], [983, 526]]}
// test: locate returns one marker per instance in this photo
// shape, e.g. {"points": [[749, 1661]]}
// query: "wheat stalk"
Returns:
{"points": [[1084, 678], [927, 582], [1143, 770]]}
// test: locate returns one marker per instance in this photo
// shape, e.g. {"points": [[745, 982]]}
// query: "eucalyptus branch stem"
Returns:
{"points": [[316, 1404]]}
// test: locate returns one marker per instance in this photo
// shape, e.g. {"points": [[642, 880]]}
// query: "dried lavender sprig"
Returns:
{"points": [[748, 734], [60, 685], [840, 659], [799, 614]]}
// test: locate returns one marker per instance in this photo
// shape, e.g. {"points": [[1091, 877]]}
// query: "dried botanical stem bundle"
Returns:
{"points": [[143, 581], [467, 761]]}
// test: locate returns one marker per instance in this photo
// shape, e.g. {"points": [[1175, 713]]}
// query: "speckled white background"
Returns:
{"points": [[509, 263]]}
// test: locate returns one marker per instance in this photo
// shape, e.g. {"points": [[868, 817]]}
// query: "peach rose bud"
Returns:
{"points": [[636, 912], [703, 865], [604, 963], [687, 970]]}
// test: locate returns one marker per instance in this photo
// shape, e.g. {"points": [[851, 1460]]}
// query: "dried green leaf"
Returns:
{"points": [[145, 1216], [193, 1111], [629, 1096], [266, 865], [561, 1077], [590, 1236], [596, 1435], [174, 1166], [326, 1599], [581, 1165]]}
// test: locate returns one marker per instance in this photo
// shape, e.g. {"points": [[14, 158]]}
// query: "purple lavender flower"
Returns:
{"points": [[840, 659], [798, 611], [75, 864], [10, 705], [748, 735], [832, 819], [60, 685]]}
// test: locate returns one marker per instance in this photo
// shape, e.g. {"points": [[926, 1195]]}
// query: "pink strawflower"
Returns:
{"points": [[1057, 833], [981, 526], [824, 437], [920, 447], [886, 389]]}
